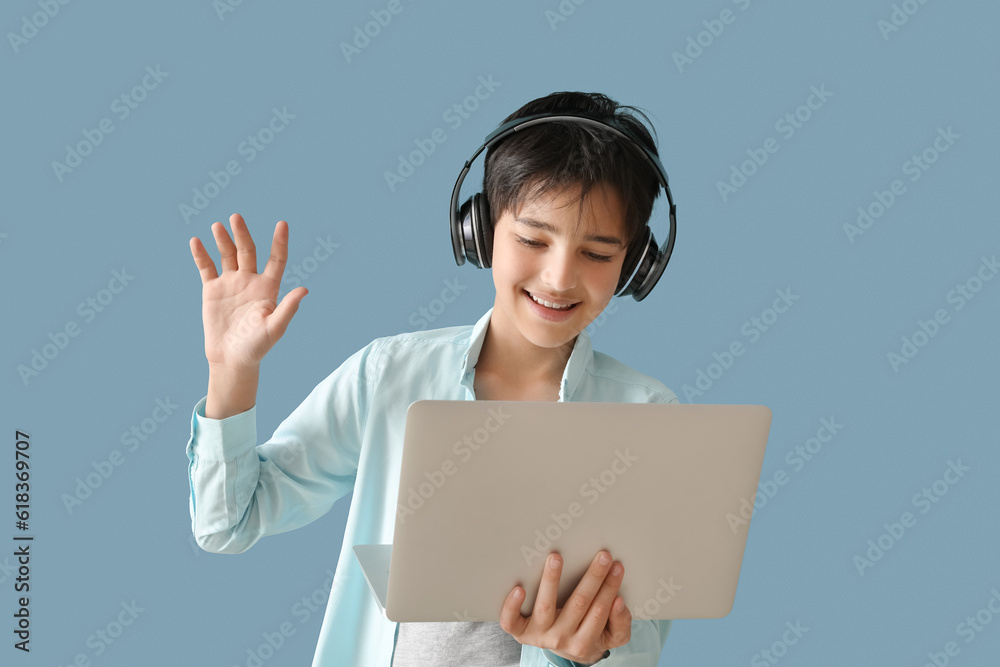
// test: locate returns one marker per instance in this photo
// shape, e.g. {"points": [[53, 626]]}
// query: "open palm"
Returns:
{"points": [[240, 309]]}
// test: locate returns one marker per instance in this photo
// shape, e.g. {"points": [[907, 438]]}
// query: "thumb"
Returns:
{"points": [[282, 315]]}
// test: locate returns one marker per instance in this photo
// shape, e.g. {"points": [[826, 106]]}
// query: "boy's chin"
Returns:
{"points": [[549, 342], [551, 334]]}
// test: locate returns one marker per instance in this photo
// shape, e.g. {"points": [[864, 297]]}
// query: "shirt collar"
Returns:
{"points": [[580, 359]]}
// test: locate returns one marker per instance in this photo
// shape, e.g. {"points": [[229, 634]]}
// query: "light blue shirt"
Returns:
{"points": [[346, 437]]}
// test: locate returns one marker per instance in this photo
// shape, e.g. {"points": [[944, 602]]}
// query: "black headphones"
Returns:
{"points": [[472, 228]]}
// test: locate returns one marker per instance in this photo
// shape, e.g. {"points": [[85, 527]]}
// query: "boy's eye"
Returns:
{"points": [[531, 243]]}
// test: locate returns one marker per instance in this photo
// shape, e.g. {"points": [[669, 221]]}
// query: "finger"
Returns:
{"points": [[275, 266], [246, 251], [227, 249], [511, 620], [544, 611], [278, 321], [619, 624], [206, 267], [583, 595], [602, 609]]}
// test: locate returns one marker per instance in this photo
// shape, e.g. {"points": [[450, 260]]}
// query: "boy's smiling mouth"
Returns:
{"points": [[551, 305]]}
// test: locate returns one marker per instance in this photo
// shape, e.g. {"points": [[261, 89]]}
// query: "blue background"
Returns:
{"points": [[63, 234]]}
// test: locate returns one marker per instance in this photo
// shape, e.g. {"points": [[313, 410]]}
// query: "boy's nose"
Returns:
{"points": [[560, 272]]}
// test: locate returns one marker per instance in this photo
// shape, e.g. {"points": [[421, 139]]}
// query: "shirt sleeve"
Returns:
{"points": [[242, 491]]}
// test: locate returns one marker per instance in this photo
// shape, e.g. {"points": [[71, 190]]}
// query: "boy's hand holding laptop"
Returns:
{"points": [[593, 620], [655, 485]]}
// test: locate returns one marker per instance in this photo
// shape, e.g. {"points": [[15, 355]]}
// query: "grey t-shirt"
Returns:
{"points": [[455, 644]]}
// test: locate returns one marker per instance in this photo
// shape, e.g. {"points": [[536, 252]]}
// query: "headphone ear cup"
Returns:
{"points": [[484, 227], [632, 257], [466, 231], [644, 260]]}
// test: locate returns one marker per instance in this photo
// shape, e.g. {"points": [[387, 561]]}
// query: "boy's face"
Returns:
{"points": [[554, 250]]}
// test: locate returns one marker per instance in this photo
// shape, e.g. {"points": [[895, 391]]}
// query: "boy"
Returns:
{"points": [[569, 201]]}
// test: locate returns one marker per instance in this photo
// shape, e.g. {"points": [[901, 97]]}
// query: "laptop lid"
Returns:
{"points": [[489, 488]]}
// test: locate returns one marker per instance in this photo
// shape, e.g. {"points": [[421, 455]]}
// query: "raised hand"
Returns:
{"points": [[240, 309]]}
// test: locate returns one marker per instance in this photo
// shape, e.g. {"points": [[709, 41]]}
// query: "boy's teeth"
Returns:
{"points": [[548, 304]]}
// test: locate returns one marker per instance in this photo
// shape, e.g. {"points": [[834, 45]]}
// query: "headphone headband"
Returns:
{"points": [[651, 268]]}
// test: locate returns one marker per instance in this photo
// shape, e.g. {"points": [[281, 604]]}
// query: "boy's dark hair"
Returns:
{"points": [[551, 156]]}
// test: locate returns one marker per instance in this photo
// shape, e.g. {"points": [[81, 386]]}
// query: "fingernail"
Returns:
{"points": [[605, 558], [617, 569], [554, 561]]}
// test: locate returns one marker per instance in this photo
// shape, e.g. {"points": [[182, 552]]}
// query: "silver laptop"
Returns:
{"points": [[488, 488]]}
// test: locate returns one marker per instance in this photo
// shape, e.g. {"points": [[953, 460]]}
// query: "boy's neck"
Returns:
{"points": [[518, 364]]}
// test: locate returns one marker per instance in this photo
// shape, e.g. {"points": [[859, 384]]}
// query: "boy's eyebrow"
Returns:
{"points": [[546, 227]]}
